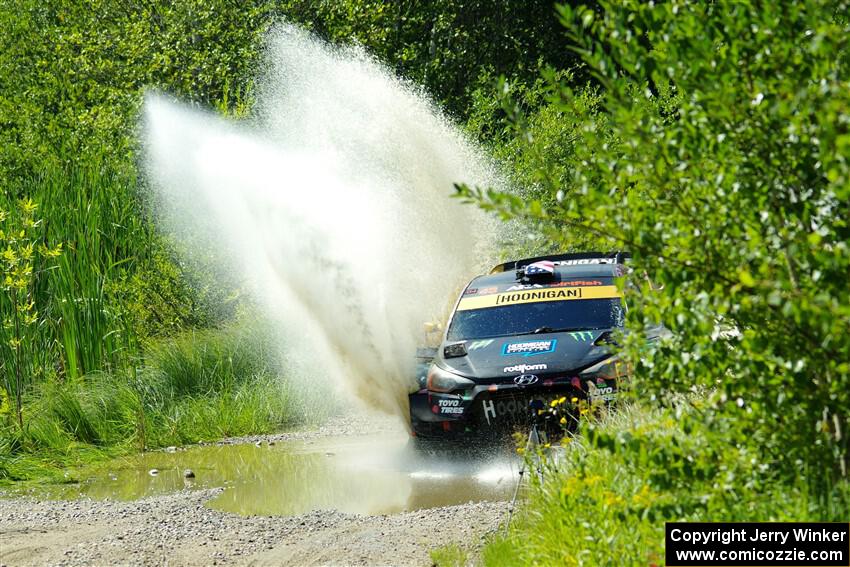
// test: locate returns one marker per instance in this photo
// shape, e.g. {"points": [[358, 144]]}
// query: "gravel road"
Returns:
{"points": [[178, 529]]}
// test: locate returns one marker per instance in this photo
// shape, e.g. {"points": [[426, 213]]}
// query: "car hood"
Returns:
{"points": [[503, 358]]}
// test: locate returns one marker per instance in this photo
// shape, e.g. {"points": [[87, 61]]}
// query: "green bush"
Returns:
{"points": [[727, 177], [715, 147]]}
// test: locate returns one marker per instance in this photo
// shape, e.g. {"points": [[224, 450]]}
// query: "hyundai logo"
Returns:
{"points": [[525, 380]]}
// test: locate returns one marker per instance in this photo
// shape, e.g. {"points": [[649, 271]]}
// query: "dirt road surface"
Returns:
{"points": [[178, 529]]}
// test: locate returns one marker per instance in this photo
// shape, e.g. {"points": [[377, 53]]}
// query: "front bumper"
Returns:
{"points": [[497, 408]]}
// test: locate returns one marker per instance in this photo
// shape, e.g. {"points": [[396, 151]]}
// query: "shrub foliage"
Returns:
{"points": [[718, 153]]}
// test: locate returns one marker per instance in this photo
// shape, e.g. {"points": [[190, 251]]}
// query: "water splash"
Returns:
{"points": [[332, 204]]}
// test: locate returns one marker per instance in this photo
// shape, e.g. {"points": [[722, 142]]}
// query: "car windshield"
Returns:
{"points": [[542, 317]]}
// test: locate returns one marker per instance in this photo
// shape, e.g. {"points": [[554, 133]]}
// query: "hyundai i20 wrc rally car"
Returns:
{"points": [[529, 332]]}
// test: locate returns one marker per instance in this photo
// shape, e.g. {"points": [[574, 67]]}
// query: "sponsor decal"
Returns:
{"points": [[516, 287], [582, 336], [489, 410], [595, 393], [475, 345], [525, 380], [471, 291], [524, 368], [541, 295], [529, 348], [584, 261], [450, 406], [570, 284], [451, 411], [488, 290], [537, 295], [493, 409]]}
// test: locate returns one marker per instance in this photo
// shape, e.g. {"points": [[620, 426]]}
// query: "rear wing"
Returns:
{"points": [[574, 259]]}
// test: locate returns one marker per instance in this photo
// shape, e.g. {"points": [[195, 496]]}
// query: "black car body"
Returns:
{"points": [[533, 329]]}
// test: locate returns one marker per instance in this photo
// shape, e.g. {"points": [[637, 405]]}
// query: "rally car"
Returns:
{"points": [[530, 332]]}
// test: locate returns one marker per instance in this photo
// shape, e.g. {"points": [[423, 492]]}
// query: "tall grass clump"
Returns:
{"points": [[203, 362], [604, 500], [66, 236], [86, 281], [201, 386]]}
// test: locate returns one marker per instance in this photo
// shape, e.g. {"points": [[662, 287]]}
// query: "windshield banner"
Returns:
{"points": [[538, 295]]}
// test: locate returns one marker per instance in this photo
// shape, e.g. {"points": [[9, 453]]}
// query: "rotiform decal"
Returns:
{"points": [[537, 295], [529, 348], [524, 368]]}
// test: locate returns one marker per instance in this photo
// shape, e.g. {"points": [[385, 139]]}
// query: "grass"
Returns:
{"points": [[201, 386], [93, 339], [115, 285], [450, 556], [606, 499], [59, 318]]}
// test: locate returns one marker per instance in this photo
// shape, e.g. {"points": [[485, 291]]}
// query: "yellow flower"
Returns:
{"points": [[563, 421], [26, 252], [50, 252], [28, 206], [593, 479], [10, 256], [570, 487], [611, 499], [574, 400], [644, 497]]}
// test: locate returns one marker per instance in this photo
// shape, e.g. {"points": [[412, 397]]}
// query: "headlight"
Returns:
{"points": [[441, 381]]}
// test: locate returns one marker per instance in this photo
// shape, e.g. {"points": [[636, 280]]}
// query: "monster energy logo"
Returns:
{"points": [[582, 336]]}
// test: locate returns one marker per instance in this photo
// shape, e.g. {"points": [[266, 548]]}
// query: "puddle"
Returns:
{"points": [[362, 475]]}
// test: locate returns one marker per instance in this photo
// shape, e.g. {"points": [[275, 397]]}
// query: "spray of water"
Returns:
{"points": [[332, 204]]}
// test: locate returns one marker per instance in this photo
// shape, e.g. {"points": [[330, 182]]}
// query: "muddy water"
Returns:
{"points": [[363, 475]]}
